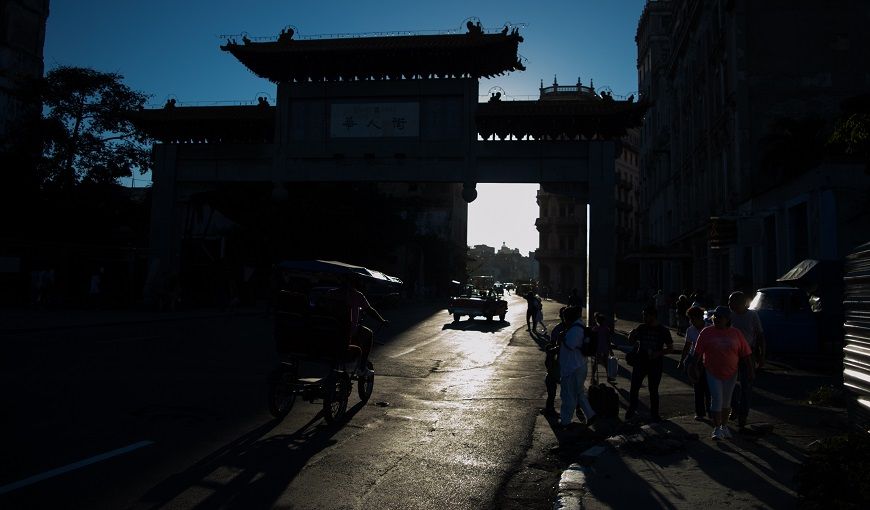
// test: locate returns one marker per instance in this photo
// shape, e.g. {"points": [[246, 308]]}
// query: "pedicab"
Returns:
{"points": [[312, 332]]}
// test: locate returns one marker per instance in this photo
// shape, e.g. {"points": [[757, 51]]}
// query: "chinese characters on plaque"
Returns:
{"points": [[374, 120]]}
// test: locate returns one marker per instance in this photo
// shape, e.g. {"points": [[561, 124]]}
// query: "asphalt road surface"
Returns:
{"points": [[173, 415]]}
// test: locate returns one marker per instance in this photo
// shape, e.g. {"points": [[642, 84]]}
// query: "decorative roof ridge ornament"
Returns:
{"points": [[286, 34]]}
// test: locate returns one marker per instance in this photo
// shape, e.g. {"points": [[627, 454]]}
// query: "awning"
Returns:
{"points": [[826, 275], [801, 271]]}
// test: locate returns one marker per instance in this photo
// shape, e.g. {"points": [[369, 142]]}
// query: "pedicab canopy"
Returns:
{"points": [[336, 268], [379, 288], [311, 318]]}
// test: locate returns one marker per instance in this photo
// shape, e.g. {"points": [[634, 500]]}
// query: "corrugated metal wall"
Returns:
{"points": [[856, 353]]}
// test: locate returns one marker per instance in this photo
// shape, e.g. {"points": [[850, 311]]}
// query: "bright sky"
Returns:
{"points": [[170, 48]]}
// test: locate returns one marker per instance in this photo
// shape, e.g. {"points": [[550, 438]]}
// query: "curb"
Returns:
{"points": [[572, 484]]}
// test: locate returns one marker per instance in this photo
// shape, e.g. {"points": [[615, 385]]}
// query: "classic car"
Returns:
{"points": [[477, 304], [790, 326]]}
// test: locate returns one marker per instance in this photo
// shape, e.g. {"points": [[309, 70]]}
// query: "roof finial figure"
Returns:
{"points": [[555, 83], [286, 34], [474, 28]]}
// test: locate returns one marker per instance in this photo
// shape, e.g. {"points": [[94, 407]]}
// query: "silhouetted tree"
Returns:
{"points": [[851, 136], [86, 130]]}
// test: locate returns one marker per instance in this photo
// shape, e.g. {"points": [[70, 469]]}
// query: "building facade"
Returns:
{"points": [[22, 37], [736, 186], [562, 220]]}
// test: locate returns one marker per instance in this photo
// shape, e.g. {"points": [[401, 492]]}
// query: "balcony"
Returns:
{"points": [[557, 221], [624, 183], [547, 253]]}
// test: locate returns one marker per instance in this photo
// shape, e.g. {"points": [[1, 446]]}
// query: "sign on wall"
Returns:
{"points": [[374, 120]]}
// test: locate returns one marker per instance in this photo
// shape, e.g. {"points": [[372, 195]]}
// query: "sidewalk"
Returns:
{"points": [[24, 320], [675, 463], [29, 319]]}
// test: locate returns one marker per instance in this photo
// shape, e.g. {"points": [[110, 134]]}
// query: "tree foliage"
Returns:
{"points": [[851, 136], [87, 133]]}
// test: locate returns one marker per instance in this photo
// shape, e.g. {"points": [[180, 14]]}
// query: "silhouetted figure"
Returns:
{"points": [[286, 35], [246, 40], [262, 101], [574, 298], [630, 98], [96, 288], [494, 98], [170, 103], [474, 29]]}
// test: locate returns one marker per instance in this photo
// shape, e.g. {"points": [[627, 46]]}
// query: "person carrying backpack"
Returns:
{"points": [[573, 366]]}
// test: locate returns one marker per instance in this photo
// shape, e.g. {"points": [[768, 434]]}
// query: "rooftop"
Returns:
{"points": [[474, 54]]}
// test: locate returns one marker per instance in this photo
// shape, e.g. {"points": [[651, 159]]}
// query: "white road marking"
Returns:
{"points": [[72, 467]]}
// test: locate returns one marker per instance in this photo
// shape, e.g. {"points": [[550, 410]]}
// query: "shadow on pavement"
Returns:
{"points": [[476, 325], [261, 468], [761, 471]]}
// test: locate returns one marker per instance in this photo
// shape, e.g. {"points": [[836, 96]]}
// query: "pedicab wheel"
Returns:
{"points": [[281, 394], [337, 390], [456, 317], [365, 386]]}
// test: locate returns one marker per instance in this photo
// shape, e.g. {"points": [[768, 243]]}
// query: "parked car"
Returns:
{"points": [[790, 326], [477, 303]]}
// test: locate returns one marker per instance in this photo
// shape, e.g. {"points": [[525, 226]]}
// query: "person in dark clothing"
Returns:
{"points": [[574, 298], [532, 311], [551, 362], [702, 390], [651, 341], [683, 305]]}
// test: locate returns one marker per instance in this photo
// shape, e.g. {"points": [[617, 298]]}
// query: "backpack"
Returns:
{"points": [[604, 400], [589, 346]]}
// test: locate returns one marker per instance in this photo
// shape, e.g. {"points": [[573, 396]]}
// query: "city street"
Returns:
{"points": [[173, 414]]}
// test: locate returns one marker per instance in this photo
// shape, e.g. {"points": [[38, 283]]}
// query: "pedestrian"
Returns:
{"points": [[695, 315], [603, 331], [661, 301], [539, 316], [531, 310], [551, 362], [96, 288], [652, 341], [572, 368], [749, 324], [574, 298], [534, 312], [722, 348], [683, 305]]}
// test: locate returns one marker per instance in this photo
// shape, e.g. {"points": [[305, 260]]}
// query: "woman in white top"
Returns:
{"points": [[702, 391]]}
